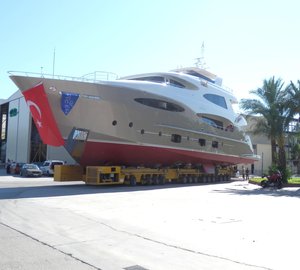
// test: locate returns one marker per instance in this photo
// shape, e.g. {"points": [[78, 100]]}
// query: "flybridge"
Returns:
{"points": [[96, 76]]}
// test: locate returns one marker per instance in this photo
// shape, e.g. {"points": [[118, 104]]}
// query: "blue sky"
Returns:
{"points": [[245, 41]]}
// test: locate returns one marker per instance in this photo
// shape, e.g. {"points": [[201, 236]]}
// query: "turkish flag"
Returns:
{"points": [[42, 115]]}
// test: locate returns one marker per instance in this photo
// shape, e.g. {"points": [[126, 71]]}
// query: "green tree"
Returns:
{"points": [[295, 156], [293, 102], [272, 116]]}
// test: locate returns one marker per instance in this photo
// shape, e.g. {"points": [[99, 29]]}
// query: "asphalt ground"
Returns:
{"points": [[68, 225]]}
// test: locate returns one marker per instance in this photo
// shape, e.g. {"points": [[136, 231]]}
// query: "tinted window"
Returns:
{"points": [[196, 74], [160, 104], [156, 79], [175, 83], [216, 99], [214, 144], [212, 122], [202, 142], [176, 138]]}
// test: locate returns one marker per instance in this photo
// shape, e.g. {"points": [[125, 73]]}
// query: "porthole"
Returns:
{"points": [[215, 144], [159, 133], [202, 142], [176, 138], [142, 131], [114, 123], [130, 124]]}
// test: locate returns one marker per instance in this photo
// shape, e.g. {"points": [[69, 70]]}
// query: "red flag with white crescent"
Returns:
{"points": [[42, 115]]}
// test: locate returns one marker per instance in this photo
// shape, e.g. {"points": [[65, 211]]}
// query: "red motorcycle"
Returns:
{"points": [[274, 180]]}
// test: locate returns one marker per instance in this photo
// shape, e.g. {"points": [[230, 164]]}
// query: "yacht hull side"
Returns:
{"points": [[96, 153]]}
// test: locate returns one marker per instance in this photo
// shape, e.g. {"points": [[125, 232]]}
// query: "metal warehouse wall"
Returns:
{"points": [[18, 136]]}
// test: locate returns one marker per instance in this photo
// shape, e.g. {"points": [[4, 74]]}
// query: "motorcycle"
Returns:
{"points": [[274, 180]]}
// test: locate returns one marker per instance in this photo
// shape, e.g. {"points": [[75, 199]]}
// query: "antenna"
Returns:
{"points": [[53, 67], [200, 61]]}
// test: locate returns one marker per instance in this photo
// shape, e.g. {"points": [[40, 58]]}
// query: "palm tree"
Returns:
{"points": [[295, 156], [294, 98], [271, 106]]}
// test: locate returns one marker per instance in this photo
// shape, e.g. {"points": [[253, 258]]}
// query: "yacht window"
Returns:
{"points": [[216, 99], [176, 138], [196, 74], [240, 121], [213, 122], [156, 79], [202, 142], [160, 104], [176, 84], [214, 144]]}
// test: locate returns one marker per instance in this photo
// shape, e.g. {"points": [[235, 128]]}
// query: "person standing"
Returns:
{"points": [[247, 174], [243, 172], [8, 166]]}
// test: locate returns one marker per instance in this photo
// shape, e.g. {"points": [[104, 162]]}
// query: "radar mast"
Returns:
{"points": [[200, 61]]}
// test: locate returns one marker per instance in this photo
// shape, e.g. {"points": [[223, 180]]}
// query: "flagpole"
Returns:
{"points": [[53, 68]]}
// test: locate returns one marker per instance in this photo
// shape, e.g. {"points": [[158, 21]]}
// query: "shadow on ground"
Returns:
{"points": [[284, 192], [69, 189]]}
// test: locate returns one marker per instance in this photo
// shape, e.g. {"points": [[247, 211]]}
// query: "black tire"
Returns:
{"points": [[162, 179], [132, 180], [263, 183], [155, 179], [183, 179], [200, 179], [143, 180], [279, 184], [195, 180], [148, 179]]}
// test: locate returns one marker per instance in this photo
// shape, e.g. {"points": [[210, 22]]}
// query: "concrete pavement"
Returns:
{"points": [[222, 226]]}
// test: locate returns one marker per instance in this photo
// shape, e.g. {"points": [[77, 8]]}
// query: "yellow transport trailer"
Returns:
{"points": [[109, 175]]}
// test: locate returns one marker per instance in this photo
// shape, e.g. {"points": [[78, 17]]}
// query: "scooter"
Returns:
{"points": [[274, 180]]}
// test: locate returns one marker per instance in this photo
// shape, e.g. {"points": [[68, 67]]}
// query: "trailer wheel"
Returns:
{"points": [[155, 179], [183, 179], [132, 180], [161, 179], [143, 180], [194, 179], [200, 179], [148, 179]]}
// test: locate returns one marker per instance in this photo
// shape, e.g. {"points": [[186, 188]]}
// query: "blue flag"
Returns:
{"points": [[68, 101]]}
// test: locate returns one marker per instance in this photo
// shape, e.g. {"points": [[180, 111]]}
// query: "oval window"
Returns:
{"points": [[160, 104], [216, 99]]}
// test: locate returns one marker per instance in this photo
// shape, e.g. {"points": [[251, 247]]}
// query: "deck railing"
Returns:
{"points": [[90, 77]]}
